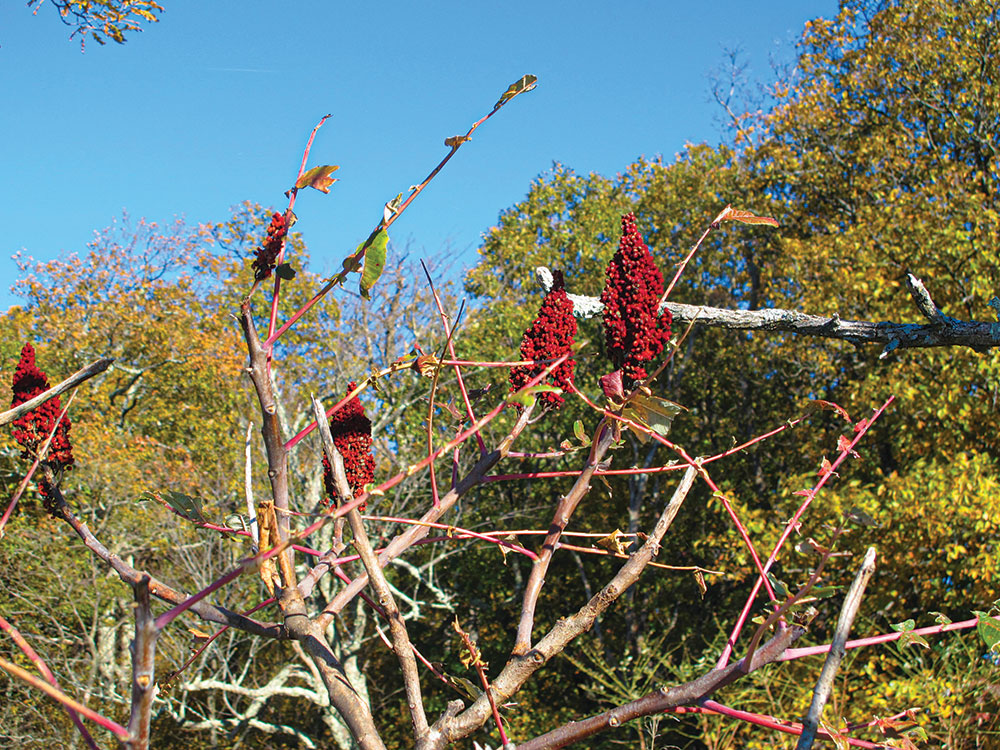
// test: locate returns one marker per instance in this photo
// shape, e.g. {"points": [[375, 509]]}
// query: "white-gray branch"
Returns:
{"points": [[942, 330]]}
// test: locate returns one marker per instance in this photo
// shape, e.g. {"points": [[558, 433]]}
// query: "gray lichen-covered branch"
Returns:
{"points": [[941, 330]]}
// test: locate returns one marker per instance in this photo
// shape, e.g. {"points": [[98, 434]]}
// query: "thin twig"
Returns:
{"points": [[47, 674], [61, 697]]}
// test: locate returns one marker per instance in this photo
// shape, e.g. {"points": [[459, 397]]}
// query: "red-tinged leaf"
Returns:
{"points": [[456, 140], [844, 446], [426, 365], [744, 217], [318, 177], [524, 83], [818, 403], [862, 425], [988, 629], [825, 467], [804, 493], [612, 386]]}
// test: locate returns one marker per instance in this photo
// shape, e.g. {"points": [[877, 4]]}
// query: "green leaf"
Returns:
{"points": [[581, 433], [655, 413], [525, 83], [904, 626], [989, 630], [941, 619], [374, 261], [859, 517], [909, 639], [285, 271], [824, 592], [318, 177], [184, 505], [526, 396], [780, 587]]}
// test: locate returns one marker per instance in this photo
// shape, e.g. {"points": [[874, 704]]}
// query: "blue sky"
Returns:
{"points": [[213, 105]]}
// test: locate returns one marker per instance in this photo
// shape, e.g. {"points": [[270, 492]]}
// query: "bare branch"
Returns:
{"points": [[666, 698], [397, 627], [86, 373], [143, 669], [519, 669], [944, 331], [824, 685], [564, 510]]}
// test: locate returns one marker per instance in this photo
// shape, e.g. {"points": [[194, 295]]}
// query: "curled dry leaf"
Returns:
{"points": [[524, 83], [318, 177], [456, 140], [744, 217]]}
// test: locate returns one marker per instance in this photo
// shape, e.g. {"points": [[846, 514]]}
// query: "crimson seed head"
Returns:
{"points": [[31, 430], [267, 253], [635, 334], [549, 337], [352, 434]]}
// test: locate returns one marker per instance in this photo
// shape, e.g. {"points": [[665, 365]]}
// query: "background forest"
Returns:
{"points": [[878, 156]]}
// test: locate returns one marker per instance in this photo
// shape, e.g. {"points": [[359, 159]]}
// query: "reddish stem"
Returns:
{"points": [[789, 528]]}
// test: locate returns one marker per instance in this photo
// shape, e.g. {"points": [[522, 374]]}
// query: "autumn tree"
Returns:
{"points": [[608, 343], [103, 20], [878, 159]]}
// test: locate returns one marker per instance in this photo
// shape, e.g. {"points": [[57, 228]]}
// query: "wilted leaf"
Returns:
{"points": [[909, 639], [391, 208], [824, 592], [817, 404], [825, 467], [456, 140], [653, 412], [839, 741], [844, 446], [858, 516], [285, 271], [612, 386], [374, 261], [525, 83], [184, 505], [699, 578], [940, 618], [744, 217], [199, 636], [318, 177], [613, 542], [426, 365]]}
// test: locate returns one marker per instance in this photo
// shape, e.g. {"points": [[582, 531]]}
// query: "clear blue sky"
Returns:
{"points": [[212, 106]]}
